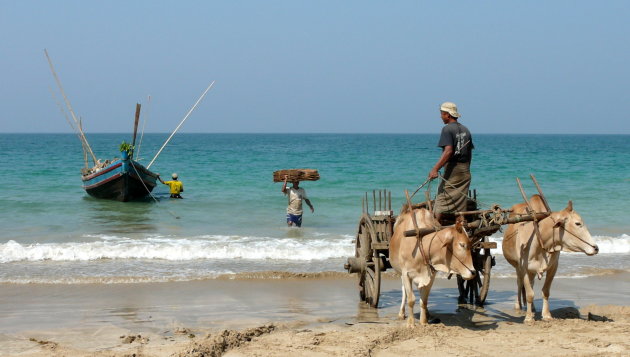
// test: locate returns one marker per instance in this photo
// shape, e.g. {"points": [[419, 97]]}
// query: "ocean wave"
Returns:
{"points": [[260, 248], [268, 275], [606, 244], [581, 273], [178, 249], [261, 275]]}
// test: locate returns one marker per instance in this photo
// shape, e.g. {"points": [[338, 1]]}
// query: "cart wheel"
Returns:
{"points": [[370, 278], [475, 290], [484, 276]]}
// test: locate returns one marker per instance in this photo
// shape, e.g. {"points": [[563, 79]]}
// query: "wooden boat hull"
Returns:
{"points": [[123, 180]]}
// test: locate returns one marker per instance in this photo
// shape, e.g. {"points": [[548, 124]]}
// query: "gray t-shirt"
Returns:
{"points": [[295, 200], [457, 136]]}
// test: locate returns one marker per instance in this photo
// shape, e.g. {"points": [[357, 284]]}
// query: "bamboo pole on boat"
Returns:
{"points": [[71, 125], [144, 122], [52, 93], [85, 157], [74, 117], [180, 124], [135, 126]]}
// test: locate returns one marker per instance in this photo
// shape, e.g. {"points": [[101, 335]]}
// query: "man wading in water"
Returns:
{"points": [[296, 195], [456, 143], [176, 186]]}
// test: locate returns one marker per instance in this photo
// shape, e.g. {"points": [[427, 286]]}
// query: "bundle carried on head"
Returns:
{"points": [[296, 175]]}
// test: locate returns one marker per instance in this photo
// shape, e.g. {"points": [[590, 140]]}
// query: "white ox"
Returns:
{"points": [[562, 230], [447, 250]]}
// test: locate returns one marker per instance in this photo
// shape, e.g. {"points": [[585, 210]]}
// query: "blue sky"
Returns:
{"points": [[318, 66]]}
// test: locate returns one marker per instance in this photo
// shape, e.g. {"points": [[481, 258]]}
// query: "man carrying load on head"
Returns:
{"points": [[295, 194], [456, 143], [175, 186]]}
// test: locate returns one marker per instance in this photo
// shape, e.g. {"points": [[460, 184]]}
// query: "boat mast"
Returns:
{"points": [[84, 139], [65, 115], [144, 122], [180, 124], [85, 157], [135, 128]]}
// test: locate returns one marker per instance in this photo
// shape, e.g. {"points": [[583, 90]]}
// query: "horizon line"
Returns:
{"points": [[302, 133]]}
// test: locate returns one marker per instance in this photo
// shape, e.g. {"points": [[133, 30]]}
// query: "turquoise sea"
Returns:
{"points": [[232, 220]]}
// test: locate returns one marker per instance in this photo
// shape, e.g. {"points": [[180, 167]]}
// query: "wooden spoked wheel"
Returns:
{"points": [[370, 276], [475, 290]]}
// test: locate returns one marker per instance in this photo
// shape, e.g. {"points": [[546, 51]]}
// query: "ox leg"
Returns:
{"points": [[520, 292], [551, 273], [401, 313], [424, 300], [411, 299], [529, 294], [521, 271]]}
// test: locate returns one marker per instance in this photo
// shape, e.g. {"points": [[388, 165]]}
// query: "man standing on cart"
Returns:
{"points": [[457, 145]]}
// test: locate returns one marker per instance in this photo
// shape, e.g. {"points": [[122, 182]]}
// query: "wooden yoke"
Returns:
{"points": [[418, 234], [530, 212]]}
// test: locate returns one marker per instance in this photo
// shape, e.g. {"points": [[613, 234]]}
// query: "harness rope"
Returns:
{"points": [[563, 226], [553, 236], [447, 248], [427, 257], [421, 186]]}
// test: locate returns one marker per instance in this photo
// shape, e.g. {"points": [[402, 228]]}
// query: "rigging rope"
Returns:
{"points": [[149, 191]]}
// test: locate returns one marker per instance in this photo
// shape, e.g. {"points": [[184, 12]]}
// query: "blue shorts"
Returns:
{"points": [[296, 219]]}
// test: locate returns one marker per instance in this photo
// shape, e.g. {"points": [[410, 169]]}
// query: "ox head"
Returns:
{"points": [[458, 252], [573, 234]]}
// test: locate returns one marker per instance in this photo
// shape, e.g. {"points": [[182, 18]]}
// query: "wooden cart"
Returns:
{"points": [[376, 228]]}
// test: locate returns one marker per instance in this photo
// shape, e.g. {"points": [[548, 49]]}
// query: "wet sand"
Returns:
{"points": [[306, 315]]}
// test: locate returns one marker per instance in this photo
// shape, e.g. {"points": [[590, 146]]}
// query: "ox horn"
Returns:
{"points": [[448, 239]]}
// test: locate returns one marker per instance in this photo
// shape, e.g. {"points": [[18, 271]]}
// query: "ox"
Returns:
{"points": [[447, 250], [561, 230]]}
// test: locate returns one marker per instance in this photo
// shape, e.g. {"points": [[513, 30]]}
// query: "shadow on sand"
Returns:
{"points": [[444, 309]]}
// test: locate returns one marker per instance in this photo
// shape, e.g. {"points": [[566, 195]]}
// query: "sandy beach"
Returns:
{"points": [[319, 315]]}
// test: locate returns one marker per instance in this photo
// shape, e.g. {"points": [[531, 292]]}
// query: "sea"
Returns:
{"points": [[231, 222]]}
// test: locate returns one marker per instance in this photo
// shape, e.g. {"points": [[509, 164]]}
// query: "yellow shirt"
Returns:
{"points": [[176, 186]]}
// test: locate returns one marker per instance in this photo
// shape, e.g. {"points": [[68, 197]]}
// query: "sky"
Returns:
{"points": [[292, 66]]}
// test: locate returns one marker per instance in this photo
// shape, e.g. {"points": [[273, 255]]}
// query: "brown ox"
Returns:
{"points": [[447, 250], [562, 230]]}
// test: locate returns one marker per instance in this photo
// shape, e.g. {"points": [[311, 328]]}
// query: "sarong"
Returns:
{"points": [[453, 190]]}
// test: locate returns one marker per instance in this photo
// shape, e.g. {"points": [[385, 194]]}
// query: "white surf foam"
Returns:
{"points": [[606, 244], [174, 249], [317, 247]]}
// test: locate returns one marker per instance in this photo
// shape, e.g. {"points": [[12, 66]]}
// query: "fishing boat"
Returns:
{"points": [[122, 179]]}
